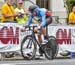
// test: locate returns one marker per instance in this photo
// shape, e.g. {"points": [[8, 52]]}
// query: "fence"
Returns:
{"points": [[57, 20]]}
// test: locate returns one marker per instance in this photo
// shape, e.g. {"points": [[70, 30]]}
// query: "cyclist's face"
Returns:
{"points": [[34, 13], [73, 9]]}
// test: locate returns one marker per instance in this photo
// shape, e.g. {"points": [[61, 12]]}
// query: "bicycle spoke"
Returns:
{"points": [[29, 44], [28, 48]]}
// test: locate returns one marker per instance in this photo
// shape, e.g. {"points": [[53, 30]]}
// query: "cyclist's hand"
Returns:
{"points": [[23, 29], [39, 27]]}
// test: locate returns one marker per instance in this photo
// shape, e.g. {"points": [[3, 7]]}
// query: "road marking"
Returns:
{"points": [[6, 64]]}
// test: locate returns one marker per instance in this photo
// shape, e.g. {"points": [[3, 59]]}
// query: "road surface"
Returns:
{"points": [[39, 62]]}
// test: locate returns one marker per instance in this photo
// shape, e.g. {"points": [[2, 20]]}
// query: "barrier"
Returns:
{"points": [[65, 36], [11, 37]]}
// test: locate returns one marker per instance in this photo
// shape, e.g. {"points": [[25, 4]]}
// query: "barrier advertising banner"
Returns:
{"points": [[11, 37], [65, 36]]}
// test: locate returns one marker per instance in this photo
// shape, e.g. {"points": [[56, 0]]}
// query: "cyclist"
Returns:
{"points": [[45, 19]]}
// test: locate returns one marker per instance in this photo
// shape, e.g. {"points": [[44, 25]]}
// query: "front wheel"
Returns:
{"points": [[28, 48], [51, 49]]}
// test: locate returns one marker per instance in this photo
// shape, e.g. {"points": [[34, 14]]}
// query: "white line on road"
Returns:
{"points": [[6, 64]]}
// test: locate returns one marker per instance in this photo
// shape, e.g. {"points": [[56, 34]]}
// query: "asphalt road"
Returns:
{"points": [[18, 60], [40, 62]]}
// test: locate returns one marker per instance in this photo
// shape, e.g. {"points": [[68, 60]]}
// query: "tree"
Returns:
{"points": [[70, 3]]}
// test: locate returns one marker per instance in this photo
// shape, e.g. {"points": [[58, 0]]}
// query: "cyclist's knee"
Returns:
{"points": [[43, 29]]}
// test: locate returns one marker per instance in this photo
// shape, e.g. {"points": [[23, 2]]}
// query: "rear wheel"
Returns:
{"points": [[51, 49], [28, 48]]}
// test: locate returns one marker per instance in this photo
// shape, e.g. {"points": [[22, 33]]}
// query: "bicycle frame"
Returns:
{"points": [[33, 35]]}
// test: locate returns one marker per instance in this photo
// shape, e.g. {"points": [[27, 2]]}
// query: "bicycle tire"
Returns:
{"points": [[53, 45], [34, 51]]}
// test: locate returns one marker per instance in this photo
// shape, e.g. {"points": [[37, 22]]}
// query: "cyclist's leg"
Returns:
{"points": [[44, 32], [48, 21], [39, 35], [39, 38]]}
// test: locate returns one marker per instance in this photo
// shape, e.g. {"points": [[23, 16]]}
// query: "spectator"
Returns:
{"points": [[72, 16], [8, 12], [23, 18], [26, 16]]}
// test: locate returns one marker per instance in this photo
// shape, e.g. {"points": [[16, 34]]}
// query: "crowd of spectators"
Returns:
{"points": [[19, 15], [15, 15]]}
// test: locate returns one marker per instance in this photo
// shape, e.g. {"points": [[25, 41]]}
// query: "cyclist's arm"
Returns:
{"points": [[43, 22], [29, 20], [43, 18]]}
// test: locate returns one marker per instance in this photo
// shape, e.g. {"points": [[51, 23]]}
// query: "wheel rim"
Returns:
{"points": [[54, 46], [51, 49], [48, 53], [28, 49]]}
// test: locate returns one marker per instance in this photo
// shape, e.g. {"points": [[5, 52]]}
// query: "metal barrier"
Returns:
{"points": [[55, 19], [58, 20]]}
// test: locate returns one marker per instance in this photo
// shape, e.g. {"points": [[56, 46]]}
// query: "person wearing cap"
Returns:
{"points": [[8, 12], [23, 18]]}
